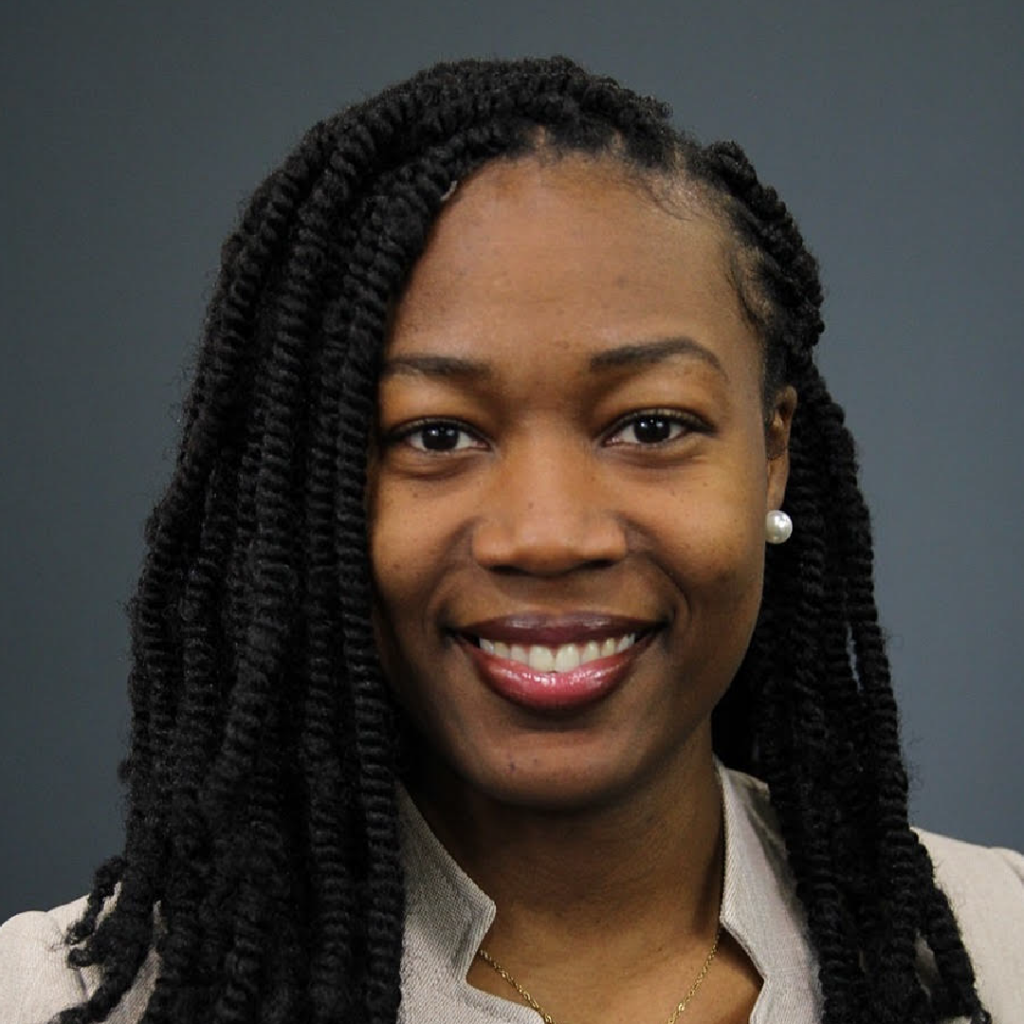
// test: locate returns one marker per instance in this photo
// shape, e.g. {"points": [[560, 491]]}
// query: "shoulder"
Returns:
{"points": [[36, 981], [985, 888], [34, 975], [977, 872]]}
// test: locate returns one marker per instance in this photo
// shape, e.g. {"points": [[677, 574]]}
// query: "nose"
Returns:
{"points": [[547, 512]]}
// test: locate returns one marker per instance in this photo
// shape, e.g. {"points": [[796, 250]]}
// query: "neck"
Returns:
{"points": [[644, 868]]}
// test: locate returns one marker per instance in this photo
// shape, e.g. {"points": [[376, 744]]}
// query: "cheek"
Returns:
{"points": [[399, 583], [398, 531], [412, 541], [716, 534], [394, 581], [722, 575]]}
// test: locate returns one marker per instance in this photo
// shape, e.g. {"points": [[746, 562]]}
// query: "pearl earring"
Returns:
{"points": [[778, 527]]}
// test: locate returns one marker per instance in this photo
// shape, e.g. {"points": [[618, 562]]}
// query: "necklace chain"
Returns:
{"points": [[548, 1019]]}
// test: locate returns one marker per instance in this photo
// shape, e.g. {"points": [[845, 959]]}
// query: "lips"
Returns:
{"points": [[550, 663]]}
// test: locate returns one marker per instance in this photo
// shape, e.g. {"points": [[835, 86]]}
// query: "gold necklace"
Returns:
{"points": [[548, 1019]]}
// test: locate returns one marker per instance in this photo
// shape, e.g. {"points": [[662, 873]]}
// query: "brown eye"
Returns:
{"points": [[652, 429], [440, 436], [649, 428]]}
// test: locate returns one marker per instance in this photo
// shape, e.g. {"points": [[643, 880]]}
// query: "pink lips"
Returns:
{"points": [[555, 691]]}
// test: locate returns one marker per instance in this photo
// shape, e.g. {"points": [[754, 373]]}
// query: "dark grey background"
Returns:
{"points": [[132, 131]]}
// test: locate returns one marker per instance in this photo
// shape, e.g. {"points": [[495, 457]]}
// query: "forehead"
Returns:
{"points": [[549, 255]]}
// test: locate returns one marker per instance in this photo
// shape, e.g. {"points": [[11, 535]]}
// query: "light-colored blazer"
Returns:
{"points": [[448, 916]]}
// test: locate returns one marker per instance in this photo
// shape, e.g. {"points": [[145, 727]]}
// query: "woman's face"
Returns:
{"points": [[568, 494]]}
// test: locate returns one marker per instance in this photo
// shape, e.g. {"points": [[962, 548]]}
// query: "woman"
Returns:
{"points": [[458, 626]]}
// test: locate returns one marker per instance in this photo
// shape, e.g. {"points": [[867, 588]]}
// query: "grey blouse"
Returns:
{"points": [[448, 916]]}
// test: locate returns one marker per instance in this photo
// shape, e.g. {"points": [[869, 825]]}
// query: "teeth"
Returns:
{"points": [[559, 659], [567, 657], [542, 659]]}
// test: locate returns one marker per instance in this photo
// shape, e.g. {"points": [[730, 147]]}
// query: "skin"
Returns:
{"points": [[577, 823]]}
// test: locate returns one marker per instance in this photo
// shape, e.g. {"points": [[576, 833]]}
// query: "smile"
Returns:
{"points": [[593, 659], [563, 658]]}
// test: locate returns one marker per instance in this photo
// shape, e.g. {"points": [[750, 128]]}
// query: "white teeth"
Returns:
{"points": [[567, 657], [558, 659], [542, 659]]}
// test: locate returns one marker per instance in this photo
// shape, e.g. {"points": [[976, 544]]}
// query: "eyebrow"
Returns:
{"points": [[434, 366], [644, 353]]}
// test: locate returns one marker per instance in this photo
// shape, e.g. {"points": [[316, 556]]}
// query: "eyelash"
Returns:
{"points": [[405, 434], [686, 421]]}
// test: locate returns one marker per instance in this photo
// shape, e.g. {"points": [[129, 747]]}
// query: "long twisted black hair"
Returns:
{"points": [[260, 857]]}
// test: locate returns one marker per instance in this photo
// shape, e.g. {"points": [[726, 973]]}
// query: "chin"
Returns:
{"points": [[566, 777]]}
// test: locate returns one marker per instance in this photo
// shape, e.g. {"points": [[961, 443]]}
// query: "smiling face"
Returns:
{"points": [[572, 474]]}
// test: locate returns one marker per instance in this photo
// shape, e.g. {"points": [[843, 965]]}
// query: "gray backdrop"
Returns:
{"points": [[132, 133]]}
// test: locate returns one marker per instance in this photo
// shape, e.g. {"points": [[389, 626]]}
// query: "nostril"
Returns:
{"points": [[547, 542], [549, 569]]}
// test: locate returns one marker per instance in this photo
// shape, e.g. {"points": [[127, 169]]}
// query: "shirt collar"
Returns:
{"points": [[760, 908], [448, 915]]}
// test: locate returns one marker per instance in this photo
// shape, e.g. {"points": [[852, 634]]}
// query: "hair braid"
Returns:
{"points": [[195, 737], [808, 809], [326, 732], [863, 876], [261, 852]]}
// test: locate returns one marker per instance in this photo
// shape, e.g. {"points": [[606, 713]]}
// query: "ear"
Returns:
{"points": [[777, 445]]}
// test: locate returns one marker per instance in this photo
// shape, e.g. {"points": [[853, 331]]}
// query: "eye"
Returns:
{"points": [[651, 427], [438, 436]]}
